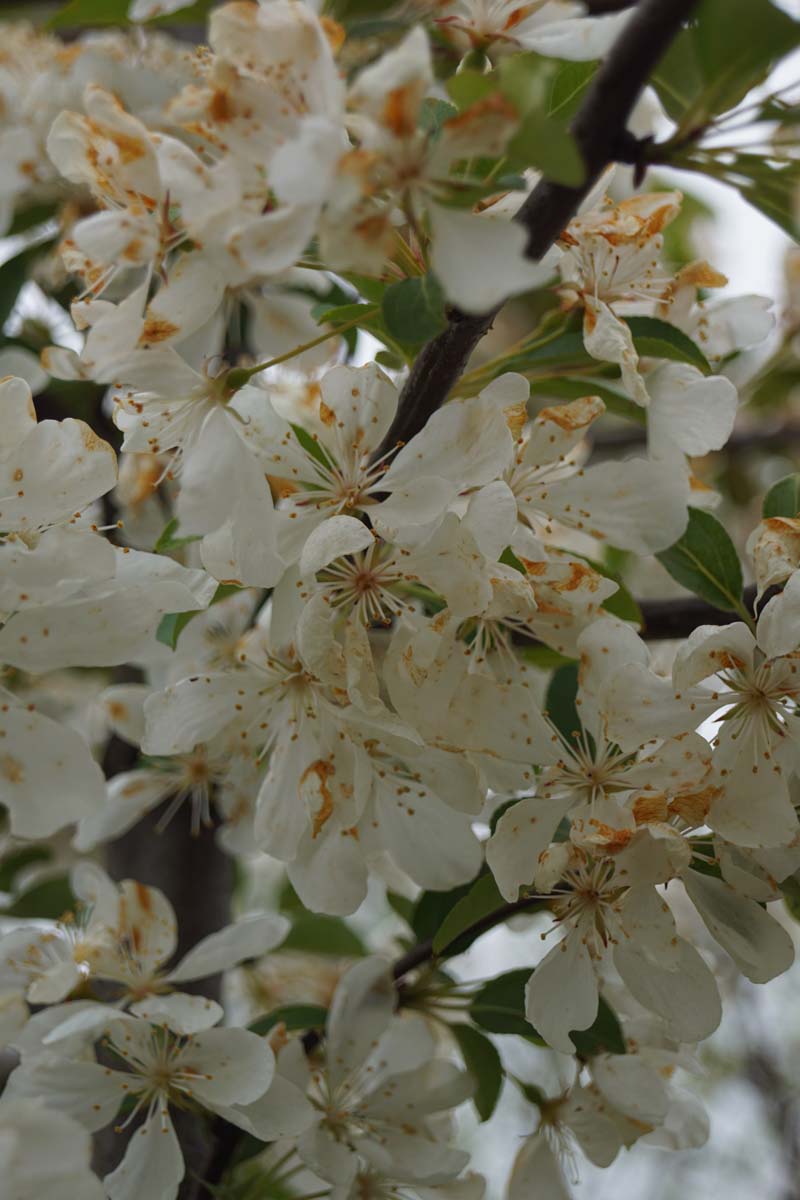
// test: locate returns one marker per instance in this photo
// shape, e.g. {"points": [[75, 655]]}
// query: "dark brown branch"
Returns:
{"points": [[418, 955], [598, 8], [741, 441], [599, 130], [197, 878], [664, 619]]}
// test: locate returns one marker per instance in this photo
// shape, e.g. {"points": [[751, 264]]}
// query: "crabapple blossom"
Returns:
{"points": [[377, 635]]}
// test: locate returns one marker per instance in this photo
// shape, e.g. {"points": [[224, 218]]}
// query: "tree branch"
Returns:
{"points": [[599, 130], [664, 619], [197, 878], [742, 441], [598, 8], [418, 955]]}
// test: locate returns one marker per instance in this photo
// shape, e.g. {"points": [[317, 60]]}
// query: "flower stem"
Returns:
{"points": [[239, 376]]}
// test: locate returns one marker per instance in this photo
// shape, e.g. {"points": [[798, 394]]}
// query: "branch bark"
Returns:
{"points": [[598, 8], [664, 619], [197, 878], [599, 130]]}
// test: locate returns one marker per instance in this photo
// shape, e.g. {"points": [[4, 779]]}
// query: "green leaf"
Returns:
{"points": [[468, 87], [604, 1036], [311, 445], [564, 351], [171, 625], [559, 701], [776, 387], [483, 1063], [728, 48], [13, 275], [80, 14], [509, 559], [499, 812], [704, 859], [293, 1016], [13, 864], [658, 339], [168, 541], [49, 899], [791, 895], [482, 899], [348, 11], [621, 604], [336, 314], [433, 115], [28, 218], [705, 561], [770, 185], [542, 140], [543, 657], [549, 146], [568, 87], [524, 79], [499, 1006], [431, 910], [320, 934], [371, 289], [413, 309], [288, 900], [369, 317], [401, 905], [783, 498]]}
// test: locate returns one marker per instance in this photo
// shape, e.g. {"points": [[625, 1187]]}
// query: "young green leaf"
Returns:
{"points": [[783, 498], [311, 445], [483, 1063], [509, 559], [705, 561], [413, 309], [727, 49], [482, 898], [658, 339], [770, 185], [167, 539]]}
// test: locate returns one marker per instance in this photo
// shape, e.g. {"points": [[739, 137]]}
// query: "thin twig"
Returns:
{"points": [[599, 130]]}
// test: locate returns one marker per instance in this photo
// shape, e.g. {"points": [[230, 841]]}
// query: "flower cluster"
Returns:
{"points": [[335, 646]]}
